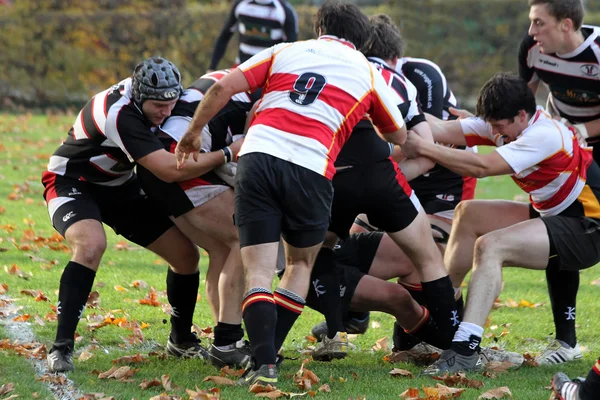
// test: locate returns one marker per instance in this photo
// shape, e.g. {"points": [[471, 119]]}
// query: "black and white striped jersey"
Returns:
{"points": [[573, 79], [109, 134], [260, 23], [434, 94], [364, 145], [435, 98], [224, 128]]}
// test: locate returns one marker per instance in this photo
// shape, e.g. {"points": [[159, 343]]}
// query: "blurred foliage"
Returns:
{"points": [[59, 52]]}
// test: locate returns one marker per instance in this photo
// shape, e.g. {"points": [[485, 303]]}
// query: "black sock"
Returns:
{"points": [[428, 332], [402, 339], [75, 286], [226, 334], [591, 387], [326, 284], [562, 288], [359, 315], [289, 308], [442, 306], [182, 292], [467, 348], [260, 318]]}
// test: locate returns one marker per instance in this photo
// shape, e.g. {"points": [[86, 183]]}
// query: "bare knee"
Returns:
{"points": [[88, 246], [463, 212], [487, 247]]}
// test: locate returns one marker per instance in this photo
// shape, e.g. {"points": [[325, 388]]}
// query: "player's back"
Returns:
{"points": [[315, 93]]}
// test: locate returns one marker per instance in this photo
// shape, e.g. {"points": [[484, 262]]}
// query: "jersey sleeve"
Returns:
{"points": [[525, 71], [384, 110], [290, 27], [129, 130], [530, 149], [256, 68], [478, 132]]}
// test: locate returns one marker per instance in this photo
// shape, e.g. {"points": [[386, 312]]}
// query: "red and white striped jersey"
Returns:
{"points": [[547, 161], [314, 93]]}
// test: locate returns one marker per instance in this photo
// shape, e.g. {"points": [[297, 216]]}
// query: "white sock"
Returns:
{"points": [[465, 330]]}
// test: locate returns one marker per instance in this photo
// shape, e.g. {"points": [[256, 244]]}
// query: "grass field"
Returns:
{"points": [[26, 241]]}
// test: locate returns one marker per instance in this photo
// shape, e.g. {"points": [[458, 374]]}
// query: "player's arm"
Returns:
{"points": [[384, 112], [447, 132], [462, 162], [164, 166], [223, 38], [589, 129], [413, 167], [290, 28]]}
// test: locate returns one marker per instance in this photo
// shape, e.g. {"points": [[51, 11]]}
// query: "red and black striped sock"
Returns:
{"points": [[289, 308], [260, 318]]}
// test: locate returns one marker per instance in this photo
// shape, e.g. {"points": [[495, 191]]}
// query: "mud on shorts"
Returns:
{"points": [[125, 208]]}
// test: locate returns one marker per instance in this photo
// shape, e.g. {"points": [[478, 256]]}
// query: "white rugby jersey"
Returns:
{"points": [[573, 79], [547, 161], [314, 93]]}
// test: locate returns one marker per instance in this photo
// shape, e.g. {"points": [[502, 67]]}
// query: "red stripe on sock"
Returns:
{"points": [[288, 303], [596, 367], [422, 321], [411, 286], [255, 297]]}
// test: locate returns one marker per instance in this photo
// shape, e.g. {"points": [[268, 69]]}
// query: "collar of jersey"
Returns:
{"points": [[337, 39]]}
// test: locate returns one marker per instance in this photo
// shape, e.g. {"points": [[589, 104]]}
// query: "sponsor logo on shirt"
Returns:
{"points": [[589, 69]]}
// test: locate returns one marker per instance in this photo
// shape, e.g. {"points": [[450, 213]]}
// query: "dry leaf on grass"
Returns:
{"points": [[401, 372], [498, 393], [258, 388], [228, 371], [211, 394], [497, 366], [410, 394], [381, 344], [7, 388], [135, 359], [85, 355], [325, 388], [138, 284], [148, 384], [93, 300], [219, 380], [166, 382], [530, 360], [275, 394], [3, 288]]}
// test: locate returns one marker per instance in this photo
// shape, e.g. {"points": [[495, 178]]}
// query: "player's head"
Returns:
{"points": [[385, 41], [553, 20], [156, 87], [343, 20], [507, 103]]}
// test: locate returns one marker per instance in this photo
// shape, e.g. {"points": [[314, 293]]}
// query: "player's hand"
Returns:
{"points": [[189, 144], [460, 113], [410, 148], [573, 127]]}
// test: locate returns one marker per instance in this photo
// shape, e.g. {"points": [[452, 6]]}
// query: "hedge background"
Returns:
{"points": [[57, 53]]}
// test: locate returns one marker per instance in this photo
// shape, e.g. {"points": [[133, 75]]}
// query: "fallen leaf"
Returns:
{"points": [[135, 359], [3, 288], [148, 384], [85, 355], [496, 366], [595, 282], [258, 388], [139, 284], [151, 298], [228, 371], [381, 344], [166, 382], [410, 394], [324, 388], [530, 360], [7, 388], [446, 392], [219, 380], [498, 393], [275, 394], [401, 372], [375, 325], [93, 300], [120, 288], [310, 339]]}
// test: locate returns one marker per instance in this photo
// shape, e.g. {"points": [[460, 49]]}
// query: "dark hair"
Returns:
{"points": [[385, 41], [503, 96], [562, 9], [343, 20]]}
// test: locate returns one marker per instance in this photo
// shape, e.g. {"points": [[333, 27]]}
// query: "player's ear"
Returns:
{"points": [[566, 25]]}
